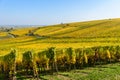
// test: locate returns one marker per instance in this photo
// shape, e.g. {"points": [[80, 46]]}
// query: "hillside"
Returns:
{"points": [[76, 35], [80, 39], [98, 28]]}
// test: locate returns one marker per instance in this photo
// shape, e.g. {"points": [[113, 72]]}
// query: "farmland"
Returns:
{"points": [[80, 34], [80, 38]]}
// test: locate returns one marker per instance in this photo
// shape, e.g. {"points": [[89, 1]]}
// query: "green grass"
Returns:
{"points": [[104, 72]]}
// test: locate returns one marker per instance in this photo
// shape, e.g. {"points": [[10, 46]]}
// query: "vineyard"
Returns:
{"points": [[53, 60], [36, 52]]}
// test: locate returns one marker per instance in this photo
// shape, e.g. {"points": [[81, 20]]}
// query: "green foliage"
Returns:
{"points": [[117, 55], [51, 53], [54, 59], [42, 60], [10, 58], [72, 55], [27, 57], [27, 62], [9, 65]]}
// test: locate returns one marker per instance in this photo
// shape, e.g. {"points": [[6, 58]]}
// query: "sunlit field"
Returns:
{"points": [[76, 43], [76, 35]]}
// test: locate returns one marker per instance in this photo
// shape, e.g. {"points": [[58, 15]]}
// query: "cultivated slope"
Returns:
{"points": [[98, 28], [76, 35], [95, 29]]}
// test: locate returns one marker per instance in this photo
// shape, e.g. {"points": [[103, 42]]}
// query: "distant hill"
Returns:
{"points": [[96, 28]]}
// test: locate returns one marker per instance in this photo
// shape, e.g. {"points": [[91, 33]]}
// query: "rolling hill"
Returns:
{"points": [[98, 28], [82, 37], [76, 35]]}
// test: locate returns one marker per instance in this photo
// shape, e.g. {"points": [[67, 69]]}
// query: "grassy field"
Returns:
{"points": [[104, 72], [76, 35], [99, 72]]}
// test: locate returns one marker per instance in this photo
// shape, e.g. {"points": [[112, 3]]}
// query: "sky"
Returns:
{"points": [[48, 12]]}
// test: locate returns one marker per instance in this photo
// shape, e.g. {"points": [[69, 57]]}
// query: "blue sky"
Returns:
{"points": [[47, 12]]}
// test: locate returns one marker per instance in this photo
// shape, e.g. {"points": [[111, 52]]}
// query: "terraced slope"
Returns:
{"points": [[76, 35], [98, 28]]}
